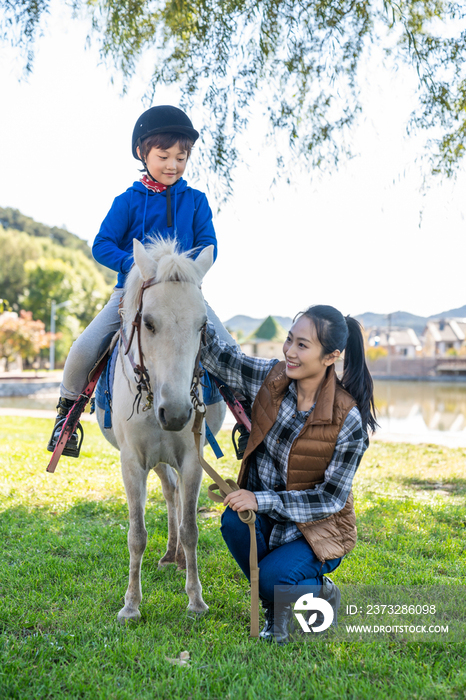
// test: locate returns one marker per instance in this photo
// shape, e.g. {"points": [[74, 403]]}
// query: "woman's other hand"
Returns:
{"points": [[241, 500]]}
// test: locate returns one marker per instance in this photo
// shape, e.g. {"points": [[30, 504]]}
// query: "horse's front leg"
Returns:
{"points": [[135, 481], [190, 478], [170, 488]]}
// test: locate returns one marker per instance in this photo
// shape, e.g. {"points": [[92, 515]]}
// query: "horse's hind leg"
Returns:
{"points": [[135, 481], [170, 488], [190, 483]]}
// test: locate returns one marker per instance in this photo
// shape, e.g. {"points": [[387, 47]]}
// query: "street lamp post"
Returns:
{"points": [[53, 312], [389, 357]]}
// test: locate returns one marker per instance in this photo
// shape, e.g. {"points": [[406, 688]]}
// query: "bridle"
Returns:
{"points": [[141, 373]]}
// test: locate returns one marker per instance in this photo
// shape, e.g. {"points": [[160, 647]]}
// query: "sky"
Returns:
{"points": [[363, 237]]}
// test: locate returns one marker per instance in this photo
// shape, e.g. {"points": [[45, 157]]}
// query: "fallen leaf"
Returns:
{"points": [[181, 660]]}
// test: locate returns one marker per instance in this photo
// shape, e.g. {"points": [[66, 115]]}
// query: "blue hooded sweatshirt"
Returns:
{"points": [[140, 213]]}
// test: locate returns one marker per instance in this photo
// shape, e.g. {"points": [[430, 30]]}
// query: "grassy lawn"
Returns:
{"points": [[63, 575]]}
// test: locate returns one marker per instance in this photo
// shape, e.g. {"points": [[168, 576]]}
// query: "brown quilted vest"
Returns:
{"points": [[310, 455]]}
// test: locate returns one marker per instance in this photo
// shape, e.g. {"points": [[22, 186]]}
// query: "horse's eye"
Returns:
{"points": [[149, 327]]}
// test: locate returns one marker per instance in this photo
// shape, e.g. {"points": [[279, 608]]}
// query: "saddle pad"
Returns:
{"points": [[210, 390], [104, 389]]}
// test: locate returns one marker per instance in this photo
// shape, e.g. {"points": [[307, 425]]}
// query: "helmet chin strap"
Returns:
{"points": [[169, 205], [147, 171]]}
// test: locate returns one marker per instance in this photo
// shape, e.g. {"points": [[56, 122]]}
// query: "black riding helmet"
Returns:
{"points": [[162, 119]]}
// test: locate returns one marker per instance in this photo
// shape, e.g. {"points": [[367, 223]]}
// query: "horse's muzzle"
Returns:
{"points": [[175, 420]]}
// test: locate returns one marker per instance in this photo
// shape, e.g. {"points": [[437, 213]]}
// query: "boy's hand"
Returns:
{"points": [[241, 500]]}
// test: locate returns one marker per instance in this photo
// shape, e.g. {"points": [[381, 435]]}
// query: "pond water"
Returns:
{"points": [[426, 410], [419, 411]]}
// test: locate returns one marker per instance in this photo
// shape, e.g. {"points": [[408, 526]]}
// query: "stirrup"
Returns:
{"points": [[243, 437], [73, 445]]}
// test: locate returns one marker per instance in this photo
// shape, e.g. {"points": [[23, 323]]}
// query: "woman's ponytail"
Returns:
{"points": [[337, 333], [356, 377]]}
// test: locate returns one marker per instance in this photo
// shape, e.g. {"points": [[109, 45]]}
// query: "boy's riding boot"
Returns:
{"points": [[266, 633], [73, 446]]}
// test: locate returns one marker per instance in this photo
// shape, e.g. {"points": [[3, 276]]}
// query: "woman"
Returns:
{"points": [[308, 435]]}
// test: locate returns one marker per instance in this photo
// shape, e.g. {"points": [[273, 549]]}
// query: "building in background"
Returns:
{"points": [[397, 342], [266, 341], [446, 336]]}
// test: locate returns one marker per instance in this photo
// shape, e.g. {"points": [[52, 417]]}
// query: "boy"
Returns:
{"points": [[161, 203]]}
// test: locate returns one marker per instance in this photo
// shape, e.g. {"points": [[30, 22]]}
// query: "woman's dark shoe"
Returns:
{"points": [[331, 593], [278, 624], [266, 633], [73, 446], [283, 624]]}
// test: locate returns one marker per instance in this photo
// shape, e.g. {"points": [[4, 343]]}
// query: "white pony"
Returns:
{"points": [[160, 437]]}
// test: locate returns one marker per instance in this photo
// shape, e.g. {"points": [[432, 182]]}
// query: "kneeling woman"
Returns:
{"points": [[309, 433]]}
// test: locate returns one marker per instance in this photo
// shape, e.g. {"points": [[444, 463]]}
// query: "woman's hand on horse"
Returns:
{"points": [[241, 500]]}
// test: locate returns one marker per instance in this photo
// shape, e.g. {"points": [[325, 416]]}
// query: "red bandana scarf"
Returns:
{"points": [[152, 185]]}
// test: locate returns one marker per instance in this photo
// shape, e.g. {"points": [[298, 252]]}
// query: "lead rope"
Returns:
{"points": [[224, 487]]}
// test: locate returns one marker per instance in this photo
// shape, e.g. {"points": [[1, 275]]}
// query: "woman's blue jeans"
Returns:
{"points": [[291, 564]]}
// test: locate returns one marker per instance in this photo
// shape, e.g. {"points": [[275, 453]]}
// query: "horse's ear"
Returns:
{"points": [[147, 266], [205, 260]]}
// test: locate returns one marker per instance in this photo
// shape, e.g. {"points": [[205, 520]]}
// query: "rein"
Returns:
{"points": [[218, 491]]}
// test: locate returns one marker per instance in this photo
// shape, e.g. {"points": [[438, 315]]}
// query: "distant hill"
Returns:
{"points": [[403, 319], [453, 313], [13, 219], [399, 319]]}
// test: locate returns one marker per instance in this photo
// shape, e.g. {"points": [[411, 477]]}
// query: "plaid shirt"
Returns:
{"points": [[268, 469]]}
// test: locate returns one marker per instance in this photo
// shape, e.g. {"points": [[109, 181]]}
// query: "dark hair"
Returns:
{"points": [[335, 332], [164, 141]]}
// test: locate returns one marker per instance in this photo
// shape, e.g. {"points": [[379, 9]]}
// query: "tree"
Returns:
{"points": [[47, 279], [16, 248], [376, 353], [298, 58], [14, 220], [40, 270], [50, 278], [21, 336]]}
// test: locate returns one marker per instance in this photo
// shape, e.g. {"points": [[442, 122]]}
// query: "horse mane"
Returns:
{"points": [[173, 265]]}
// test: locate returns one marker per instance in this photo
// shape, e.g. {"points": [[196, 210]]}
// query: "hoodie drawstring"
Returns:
{"points": [[144, 217], [174, 229], [169, 207]]}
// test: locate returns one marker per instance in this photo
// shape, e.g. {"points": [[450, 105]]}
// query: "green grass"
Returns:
{"points": [[63, 575]]}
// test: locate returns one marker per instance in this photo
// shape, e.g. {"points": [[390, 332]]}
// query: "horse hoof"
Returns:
{"points": [[125, 616], [163, 564], [199, 608], [168, 558]]}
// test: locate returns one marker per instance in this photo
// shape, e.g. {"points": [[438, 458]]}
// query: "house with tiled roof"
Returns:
{"points": [[444, 335], [266, 341], [399, 342]]}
